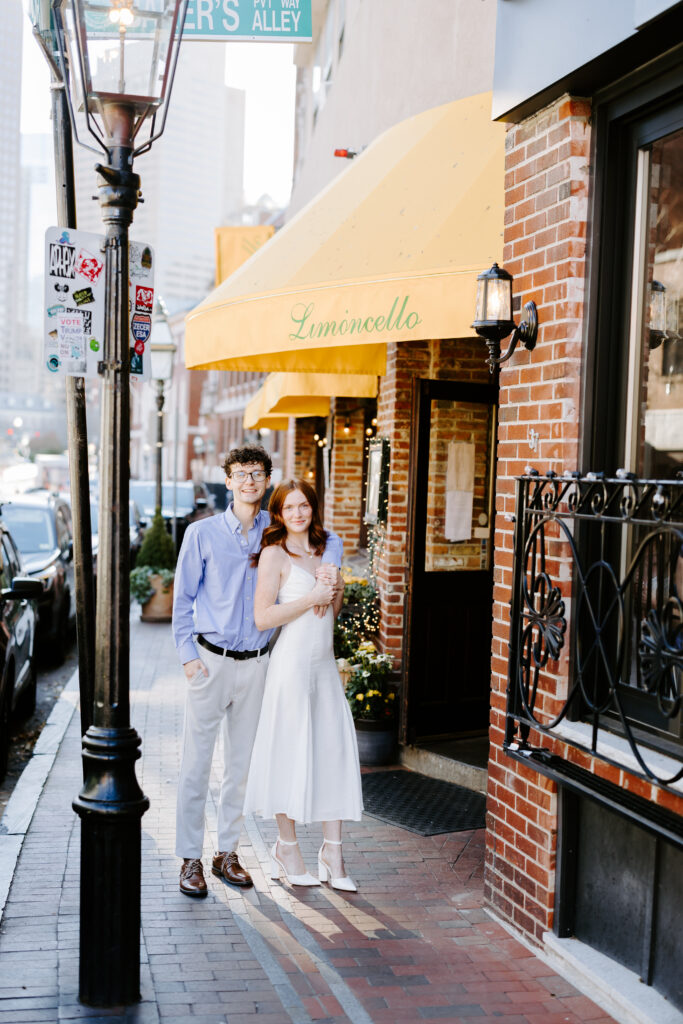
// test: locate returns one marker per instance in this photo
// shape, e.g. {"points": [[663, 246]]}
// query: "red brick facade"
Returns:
{"points": [[343, 505], [547, 212]]}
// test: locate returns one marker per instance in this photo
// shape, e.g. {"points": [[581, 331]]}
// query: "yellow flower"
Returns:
{"points": [[367, 707], [391, 696], [360, 696]]}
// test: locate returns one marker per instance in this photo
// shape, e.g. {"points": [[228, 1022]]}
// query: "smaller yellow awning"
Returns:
{"points": [[306, 394], [267, 423]]}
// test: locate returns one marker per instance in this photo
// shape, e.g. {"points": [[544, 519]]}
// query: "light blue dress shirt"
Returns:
{"points": [[215, 578]]}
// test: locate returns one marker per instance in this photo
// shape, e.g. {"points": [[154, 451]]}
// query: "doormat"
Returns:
{"points": [[420, 804]]}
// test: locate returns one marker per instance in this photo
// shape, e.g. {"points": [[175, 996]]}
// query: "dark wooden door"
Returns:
{"points": [[449, 600]]}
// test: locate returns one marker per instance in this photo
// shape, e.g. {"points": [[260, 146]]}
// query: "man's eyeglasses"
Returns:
{"points": [[257, 475]]}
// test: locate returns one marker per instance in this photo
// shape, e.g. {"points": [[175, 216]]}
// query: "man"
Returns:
{"points": [[225, 666]]}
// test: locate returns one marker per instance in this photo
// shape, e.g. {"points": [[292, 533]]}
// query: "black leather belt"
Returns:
{"points": [[237, 655]]}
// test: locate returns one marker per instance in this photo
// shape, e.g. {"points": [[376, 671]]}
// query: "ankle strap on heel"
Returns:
{"points": [[332, 842], [287, 842]]}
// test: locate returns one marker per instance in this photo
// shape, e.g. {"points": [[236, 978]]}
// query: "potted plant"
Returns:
{"points": [[151, 581], [372, 699]]}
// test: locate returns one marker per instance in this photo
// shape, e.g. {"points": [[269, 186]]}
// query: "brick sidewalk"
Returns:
{"points": [[413, 945]]}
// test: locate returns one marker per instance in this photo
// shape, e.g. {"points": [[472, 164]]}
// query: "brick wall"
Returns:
{"points": [[345, 496], [302, 453], [546, 217]]}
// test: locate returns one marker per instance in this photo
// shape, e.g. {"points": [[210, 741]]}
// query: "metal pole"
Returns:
{"points": [[76, 427], [111, 803], [160, 443], [174, 521]]}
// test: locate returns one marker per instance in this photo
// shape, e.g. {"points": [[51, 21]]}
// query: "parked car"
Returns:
{"points": [[17, 636], [40, 524], [192, 501], [136, 529]]}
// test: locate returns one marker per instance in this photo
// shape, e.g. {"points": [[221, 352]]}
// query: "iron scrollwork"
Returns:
{"points": [[611, 552]]}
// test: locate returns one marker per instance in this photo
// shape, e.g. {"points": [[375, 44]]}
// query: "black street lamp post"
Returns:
{"points": [[121, 55], [44, 32], [163, 350]]}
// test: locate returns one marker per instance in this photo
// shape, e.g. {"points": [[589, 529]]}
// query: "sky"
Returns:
{"points": [[264, 70]]}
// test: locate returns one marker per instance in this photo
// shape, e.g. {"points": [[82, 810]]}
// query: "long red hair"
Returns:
{"points": [[276, 533]]}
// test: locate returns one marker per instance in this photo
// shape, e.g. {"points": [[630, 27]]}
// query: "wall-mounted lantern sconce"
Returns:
{"points": [[493, 316], [347, 426], [657, 317]]}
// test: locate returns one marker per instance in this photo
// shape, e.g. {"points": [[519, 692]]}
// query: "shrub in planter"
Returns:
{"points": [[154, 571]]}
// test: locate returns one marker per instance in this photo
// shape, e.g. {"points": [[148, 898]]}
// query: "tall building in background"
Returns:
{"points": [[10, 178], [36, 211], [192, 179]]}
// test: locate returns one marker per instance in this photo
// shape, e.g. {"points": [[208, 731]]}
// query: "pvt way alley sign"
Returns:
{"points": [[262, 20]]}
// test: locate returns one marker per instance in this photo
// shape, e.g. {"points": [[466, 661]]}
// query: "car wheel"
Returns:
{"points": [[27, 701], [5, 715]]}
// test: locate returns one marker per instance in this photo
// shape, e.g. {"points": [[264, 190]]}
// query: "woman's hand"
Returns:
{"points": [[322, 593]]}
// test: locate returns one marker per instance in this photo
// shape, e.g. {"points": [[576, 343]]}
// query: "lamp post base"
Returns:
{"points": [[110, 805]]}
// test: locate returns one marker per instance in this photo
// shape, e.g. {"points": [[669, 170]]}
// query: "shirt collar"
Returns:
{"points": [[233, 522]]}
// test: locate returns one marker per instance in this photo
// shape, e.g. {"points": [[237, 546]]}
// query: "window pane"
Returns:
{"points": [[660, 434]]}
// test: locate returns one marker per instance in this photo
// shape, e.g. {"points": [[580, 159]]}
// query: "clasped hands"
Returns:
{"points": [[329, 583]]}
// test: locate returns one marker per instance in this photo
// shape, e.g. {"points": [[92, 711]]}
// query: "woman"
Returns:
{"points": [[304, 765]]}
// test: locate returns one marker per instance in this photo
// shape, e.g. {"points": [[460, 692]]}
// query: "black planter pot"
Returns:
{"points": [[376, 742]]}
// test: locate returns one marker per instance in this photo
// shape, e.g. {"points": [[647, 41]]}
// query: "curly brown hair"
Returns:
{"points": [[276, 533], [246, 455]]}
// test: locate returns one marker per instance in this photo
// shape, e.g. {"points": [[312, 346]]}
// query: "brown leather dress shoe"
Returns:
{"points": [[227, 866], [192, 881]]}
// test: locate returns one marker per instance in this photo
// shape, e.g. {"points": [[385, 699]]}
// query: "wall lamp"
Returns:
{"points": [[493, 316]]}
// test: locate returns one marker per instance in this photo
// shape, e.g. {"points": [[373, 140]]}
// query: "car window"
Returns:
{"points": [[5, 580], [144, 495], [9, 559], [31, 528]]}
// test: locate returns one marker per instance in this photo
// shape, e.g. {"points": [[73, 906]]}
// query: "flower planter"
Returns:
{"points": [[159, 608], [376, 742]]}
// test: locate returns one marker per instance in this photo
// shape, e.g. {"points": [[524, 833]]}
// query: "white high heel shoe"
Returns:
{"points": [[324, 873], [277, 868]]}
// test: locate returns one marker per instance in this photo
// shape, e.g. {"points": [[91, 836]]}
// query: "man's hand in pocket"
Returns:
{"points": [[191, 668]]}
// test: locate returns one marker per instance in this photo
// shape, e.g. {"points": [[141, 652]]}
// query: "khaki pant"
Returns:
{"points": [[230, 697]]}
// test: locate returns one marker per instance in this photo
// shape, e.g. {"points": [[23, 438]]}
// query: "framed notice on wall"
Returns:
{"points": [[377, 484]]}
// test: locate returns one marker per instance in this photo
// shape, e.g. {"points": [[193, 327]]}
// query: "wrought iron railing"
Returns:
{"points": [[596, 617]]}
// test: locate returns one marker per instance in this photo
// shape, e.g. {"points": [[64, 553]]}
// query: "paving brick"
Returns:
{"points": [[413, 944]]}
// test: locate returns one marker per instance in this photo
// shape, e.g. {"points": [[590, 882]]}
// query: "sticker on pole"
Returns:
{"points": [[75, 301], [141, 327]]}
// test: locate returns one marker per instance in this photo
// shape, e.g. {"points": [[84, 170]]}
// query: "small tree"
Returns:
{"points": [[157, 557]]}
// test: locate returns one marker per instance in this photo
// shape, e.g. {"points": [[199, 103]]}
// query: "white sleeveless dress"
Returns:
{"points": [[305, 758]]}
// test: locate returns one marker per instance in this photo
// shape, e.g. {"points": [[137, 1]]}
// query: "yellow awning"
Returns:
{"points": [[304, 394], [389, 251], [269, 422], [236, 243]]}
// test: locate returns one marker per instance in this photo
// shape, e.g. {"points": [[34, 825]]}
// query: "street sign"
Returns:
{"points": [[74, 303], [283, 21]]}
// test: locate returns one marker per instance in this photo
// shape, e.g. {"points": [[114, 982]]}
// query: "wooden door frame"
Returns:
{"points": [[424, 390]]}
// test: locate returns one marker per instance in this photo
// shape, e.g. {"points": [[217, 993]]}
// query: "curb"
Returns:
{"points": [[24, 800]]}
